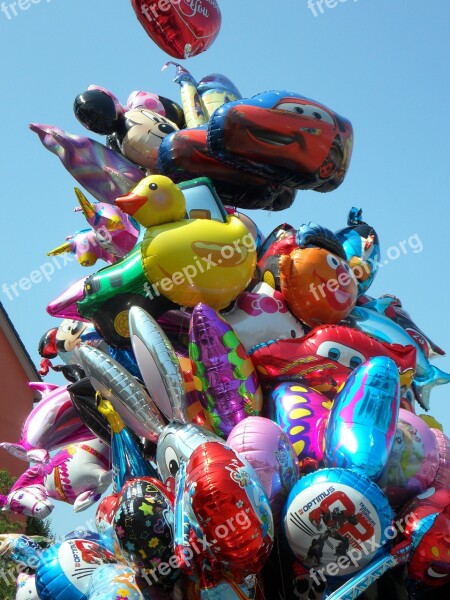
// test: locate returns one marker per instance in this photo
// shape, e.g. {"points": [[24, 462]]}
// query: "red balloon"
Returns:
{"points": [[182, 28], [231, 507]]}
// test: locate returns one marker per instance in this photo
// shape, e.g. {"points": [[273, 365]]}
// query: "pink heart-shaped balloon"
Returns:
{"points": [[182, 28]]}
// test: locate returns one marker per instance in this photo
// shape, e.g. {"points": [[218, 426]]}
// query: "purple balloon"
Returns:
{"points": [[230, 387], [268, 450], [413, 461], [53, 423]]}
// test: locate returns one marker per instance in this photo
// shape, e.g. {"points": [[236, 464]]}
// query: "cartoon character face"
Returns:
{"points": [[68, 335], [31, 501], [292, 134], [145, 131], [318, 286]]}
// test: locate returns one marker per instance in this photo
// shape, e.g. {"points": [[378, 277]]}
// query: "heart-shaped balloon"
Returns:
{"points": [[182, 28]]}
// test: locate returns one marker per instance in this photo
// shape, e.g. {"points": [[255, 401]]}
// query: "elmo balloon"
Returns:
{"points": [[182, 28]]}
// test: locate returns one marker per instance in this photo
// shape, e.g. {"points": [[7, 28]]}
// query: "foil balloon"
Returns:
{"points": [[126, 358], [442, 477], [266, 447], [427, 520], [385, 329], [129, 399], [28, 495], [317, 143], [413, 461], [158, 364], [128, 462], [26, 587], [262, 315], [362, 249], [103, 172], [22, 549], [324, 358], [331, 513], [65, 305], [79, 474], [53, 423], [181, 28], [65, 569], [392, 307], [143, 523], [114, 581], [230, 506], [315, 278], [302, 413], [363, 419], [83, 396], [229, 382]]}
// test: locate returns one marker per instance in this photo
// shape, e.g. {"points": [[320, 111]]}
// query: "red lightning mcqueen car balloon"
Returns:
{"points": [[292, 139], [323, 359]]}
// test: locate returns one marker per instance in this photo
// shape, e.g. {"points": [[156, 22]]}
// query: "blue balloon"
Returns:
{"points": [[371, 320], [337, 520], [114, 581], [65, 569], [363, 419], [128, 462], [125, 357], [360, 242]]}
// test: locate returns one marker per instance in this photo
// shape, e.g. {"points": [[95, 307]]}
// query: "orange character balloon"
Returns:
{"points": [[316, 281]]}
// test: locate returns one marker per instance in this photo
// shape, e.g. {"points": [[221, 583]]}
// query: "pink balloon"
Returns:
{"points": [[269, 451]]}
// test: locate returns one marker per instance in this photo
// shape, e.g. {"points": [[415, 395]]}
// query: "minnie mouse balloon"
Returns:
{"points": [[182, 28]]}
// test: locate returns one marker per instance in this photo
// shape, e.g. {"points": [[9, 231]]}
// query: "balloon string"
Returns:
{"points": [[280, 568]]}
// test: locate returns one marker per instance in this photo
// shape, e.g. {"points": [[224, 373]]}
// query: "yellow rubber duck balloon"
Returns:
{"points": [[189, 258]]}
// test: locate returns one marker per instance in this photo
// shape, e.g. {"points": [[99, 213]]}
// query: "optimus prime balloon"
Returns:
{"points": [[65, 569]]}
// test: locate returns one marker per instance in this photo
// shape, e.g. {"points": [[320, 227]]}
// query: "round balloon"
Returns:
{"points": [[65, 569], [143, 523], [427, 524], [266, 447], [230, 505], [182, 28], [413, 461], [335, 516]]}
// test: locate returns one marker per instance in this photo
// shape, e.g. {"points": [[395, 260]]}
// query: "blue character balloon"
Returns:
{"points": [[362, 249]]}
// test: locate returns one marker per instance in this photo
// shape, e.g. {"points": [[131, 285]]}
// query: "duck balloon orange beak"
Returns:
{"points": [[131, 203]]}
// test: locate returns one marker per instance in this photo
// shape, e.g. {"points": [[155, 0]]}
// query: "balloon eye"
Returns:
{"points": [[299, 110], [334, 353], [332, 261], [317, 115], [355, 361], [153, 186], [293, 334], [172, 462]]}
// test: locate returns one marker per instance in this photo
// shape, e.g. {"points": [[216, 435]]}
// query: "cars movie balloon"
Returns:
{"points": [[183, 28], [324, 358]]}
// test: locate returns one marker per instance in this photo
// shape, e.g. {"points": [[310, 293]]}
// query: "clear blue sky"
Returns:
{"points": [[383, 64]]}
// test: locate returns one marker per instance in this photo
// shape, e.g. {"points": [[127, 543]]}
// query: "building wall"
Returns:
{"points": [[16, 402]]}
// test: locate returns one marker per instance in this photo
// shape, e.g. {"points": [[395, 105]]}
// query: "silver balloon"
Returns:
{"points": [[176, 444], [158, 365], [115, 384]]}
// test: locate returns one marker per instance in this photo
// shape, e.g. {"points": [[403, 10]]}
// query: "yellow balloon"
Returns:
{"points": [[199, 260]]}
